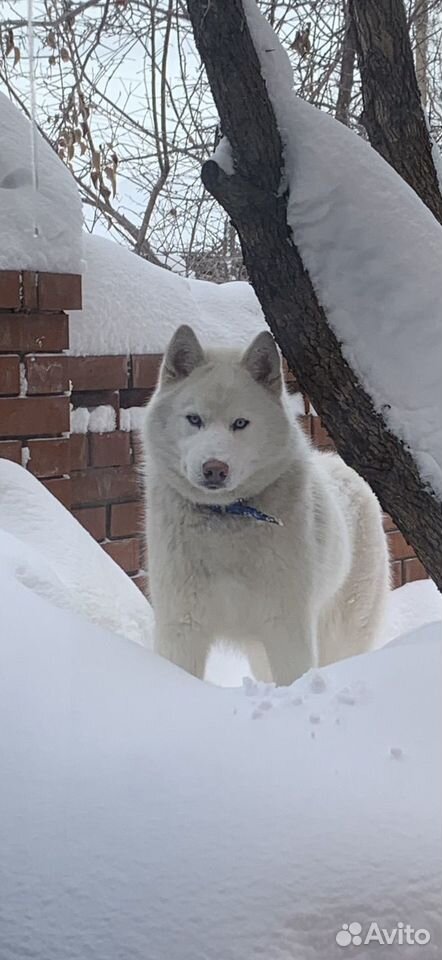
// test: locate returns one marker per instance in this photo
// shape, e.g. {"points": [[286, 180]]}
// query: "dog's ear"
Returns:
{"points": [[263, 362], [183, 354]]}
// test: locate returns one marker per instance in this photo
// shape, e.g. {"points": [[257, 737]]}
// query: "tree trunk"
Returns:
{"points": [[421, 18], [393, 116], [283, 286], [347, 69]]}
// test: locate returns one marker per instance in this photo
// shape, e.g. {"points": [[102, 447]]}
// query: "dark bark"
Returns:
{"points": [[283, 286], [393, 115], [347, 69]]}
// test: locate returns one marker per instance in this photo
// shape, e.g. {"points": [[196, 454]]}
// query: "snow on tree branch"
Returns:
{"points": [[361, 328]]}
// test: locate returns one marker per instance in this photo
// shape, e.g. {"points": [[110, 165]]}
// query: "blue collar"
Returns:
{"points": [[241, 509]]}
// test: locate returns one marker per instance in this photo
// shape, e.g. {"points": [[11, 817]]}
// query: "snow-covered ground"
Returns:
{"points": [[374, 253], [145, 814], [47, 551], [41, 221]]}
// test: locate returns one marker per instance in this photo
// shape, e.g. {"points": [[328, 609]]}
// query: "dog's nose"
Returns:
{"points": [[215, 472]]}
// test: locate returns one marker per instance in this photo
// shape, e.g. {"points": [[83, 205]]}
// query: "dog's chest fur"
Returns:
{"points": [[233, 571]]}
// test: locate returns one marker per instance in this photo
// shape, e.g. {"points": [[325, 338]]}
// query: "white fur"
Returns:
{"points": [[305, 593]]}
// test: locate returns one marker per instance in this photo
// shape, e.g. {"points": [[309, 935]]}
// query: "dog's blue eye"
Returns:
{"points": [[194, 420], [240, 424]]}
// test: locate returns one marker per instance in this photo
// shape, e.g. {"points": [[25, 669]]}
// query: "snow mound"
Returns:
{"points": [[412, 606], [146, 814], [44, 547], [373, 251], [132, 306], [52, 206]]}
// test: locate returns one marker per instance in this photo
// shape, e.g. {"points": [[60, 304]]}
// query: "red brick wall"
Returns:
{"points": [[95, 475], [404, 564], [34, 380]]}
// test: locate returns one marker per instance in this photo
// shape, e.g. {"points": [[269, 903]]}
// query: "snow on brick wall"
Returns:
{"points": [[131, 306], [41, 226]]}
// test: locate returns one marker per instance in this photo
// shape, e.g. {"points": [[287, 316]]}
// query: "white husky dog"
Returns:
{"points": [[253, 536]]}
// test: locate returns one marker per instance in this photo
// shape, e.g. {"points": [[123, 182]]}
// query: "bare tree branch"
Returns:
{"points": [[347, 70]]}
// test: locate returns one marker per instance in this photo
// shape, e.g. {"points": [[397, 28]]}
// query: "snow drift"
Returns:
{"points": [[51, 554], [40, 210], [132, 306], [144, 814]]}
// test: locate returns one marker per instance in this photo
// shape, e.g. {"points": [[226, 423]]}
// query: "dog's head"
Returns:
{"points": [[217, 426]]}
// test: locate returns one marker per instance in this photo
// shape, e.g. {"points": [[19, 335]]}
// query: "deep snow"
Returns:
{"points": [[132, 306], [144, 814], [44, 547], [374, 253], [54, 208]]}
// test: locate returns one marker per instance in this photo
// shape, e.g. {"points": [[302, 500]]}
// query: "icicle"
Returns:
{"points": [[34, 151]]}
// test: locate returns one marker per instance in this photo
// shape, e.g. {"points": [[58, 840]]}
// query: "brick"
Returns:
{"points": [[10, 450], [135, 397], [47, 373], [60, 488], [34, 416], [93, 519], [59, 291], [9, 289], [320, 436], [388, 523], [396, 574], [98, 373], [125, 552], [126, 519], [37, 332], [398, 546], [97, 398], [49, 458], [9, 374], [109, 449], [414, 570], [79, 450], [104, 485], [30, 290], [145, 369]]}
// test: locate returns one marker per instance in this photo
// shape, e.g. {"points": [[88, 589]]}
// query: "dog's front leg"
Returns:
{"points": [[183, 644], [290, 649]]}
